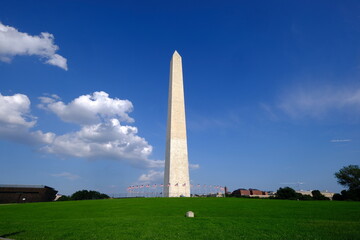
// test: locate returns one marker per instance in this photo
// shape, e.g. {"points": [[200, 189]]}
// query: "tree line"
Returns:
{"points": [[84, 195], [291, 194], [348, 177]]}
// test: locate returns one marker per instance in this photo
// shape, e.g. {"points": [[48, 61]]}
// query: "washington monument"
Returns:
{"points": [[176, 176]]}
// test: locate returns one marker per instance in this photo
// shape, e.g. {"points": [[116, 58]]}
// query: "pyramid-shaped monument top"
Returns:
{"points": [[176, 175], [176, 54]]}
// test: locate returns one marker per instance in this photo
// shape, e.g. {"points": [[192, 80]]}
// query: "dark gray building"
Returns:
{"points": [[26, 193]]}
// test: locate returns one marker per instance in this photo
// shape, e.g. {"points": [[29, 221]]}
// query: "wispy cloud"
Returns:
{"points": [[270, 112], [340, 140], [320, 101], [14, 42], [227, 120], [194, 166], [66, 175]]}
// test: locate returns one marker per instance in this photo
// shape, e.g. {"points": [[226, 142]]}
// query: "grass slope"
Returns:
{"points": [[163, 218]]}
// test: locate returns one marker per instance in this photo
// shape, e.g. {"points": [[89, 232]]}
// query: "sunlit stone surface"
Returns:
{"points": [[176, 176]]}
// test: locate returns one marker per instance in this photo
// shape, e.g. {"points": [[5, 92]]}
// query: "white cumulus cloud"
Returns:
{"points": [[16, 120], [13, 43], [106, 140], [14, 110], [152, 177], [101, 134], [89, 109]]}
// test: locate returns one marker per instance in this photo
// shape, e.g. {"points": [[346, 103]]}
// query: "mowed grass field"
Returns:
{"points": [[163, 218]]}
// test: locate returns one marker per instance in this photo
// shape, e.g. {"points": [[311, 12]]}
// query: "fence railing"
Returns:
{"points": [[157, 191]]}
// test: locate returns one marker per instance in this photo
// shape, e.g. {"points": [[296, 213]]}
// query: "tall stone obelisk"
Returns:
{"points": [[176, 175]]}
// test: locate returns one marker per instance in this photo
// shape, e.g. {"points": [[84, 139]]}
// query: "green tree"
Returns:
{"points": [[287, 193], [304, 197], [349, 177], [85, 195], [316, 195], [338, 197], [353, 195], [64, 198]]}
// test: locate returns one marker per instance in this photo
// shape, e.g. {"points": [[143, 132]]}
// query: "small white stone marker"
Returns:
{"points": [[190, 214]]}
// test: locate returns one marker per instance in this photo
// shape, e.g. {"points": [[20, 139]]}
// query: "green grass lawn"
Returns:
{"points": [[163, 218]]}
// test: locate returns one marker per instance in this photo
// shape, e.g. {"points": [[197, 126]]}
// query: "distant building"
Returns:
{"points": [[328, 194], [250, 193], [309, 192], [241, 192], [26, 193], [271, 193], [258, 193]]}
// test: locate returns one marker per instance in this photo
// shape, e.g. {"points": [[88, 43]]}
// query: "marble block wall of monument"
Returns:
{"points": [[176, 175]]}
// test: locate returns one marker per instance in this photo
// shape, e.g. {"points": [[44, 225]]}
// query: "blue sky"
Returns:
{"points": [[272, 92]]}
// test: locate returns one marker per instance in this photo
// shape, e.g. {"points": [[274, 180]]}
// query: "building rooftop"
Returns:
{"points": [[22, 186]]}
